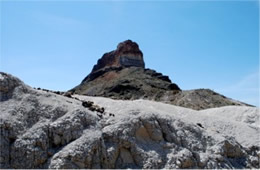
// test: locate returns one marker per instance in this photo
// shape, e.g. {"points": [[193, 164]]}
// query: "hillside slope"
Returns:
{"points": [[121, 74]]}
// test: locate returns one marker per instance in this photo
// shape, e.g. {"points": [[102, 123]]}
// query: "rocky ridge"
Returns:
{"points": [[41, 129], [126, 83], [121, 74]]}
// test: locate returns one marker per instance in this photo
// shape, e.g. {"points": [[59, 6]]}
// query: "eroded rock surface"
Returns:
{"points": [[8, 84], [127, 83], [42, 129], [127, 54]]}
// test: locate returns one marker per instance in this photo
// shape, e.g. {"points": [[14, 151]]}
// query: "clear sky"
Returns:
{"points": [[199, 44]]}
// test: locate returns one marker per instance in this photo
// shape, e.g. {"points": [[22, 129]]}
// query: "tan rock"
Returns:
{"points": [[142, 134]]}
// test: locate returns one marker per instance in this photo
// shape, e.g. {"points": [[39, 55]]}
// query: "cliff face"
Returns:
{"points": [[127, 54], [41, 129]]}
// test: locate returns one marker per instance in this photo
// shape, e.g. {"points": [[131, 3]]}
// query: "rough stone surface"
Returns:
{"points": [[41, 129], [200, 99], [127, 54], [126, 83], [7, 86]]}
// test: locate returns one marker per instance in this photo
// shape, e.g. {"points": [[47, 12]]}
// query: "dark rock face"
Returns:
{"points": [[127, 54], [129, 61]]}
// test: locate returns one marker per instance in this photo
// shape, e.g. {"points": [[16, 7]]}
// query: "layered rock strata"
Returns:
{"points": [[127, 54]]}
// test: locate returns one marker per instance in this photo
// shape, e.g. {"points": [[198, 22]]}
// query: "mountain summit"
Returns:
{"points": [[127, 54], [121, 74]]}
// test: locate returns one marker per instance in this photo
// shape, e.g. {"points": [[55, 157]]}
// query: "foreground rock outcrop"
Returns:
{"points": [[121, 74], [41, 129]]}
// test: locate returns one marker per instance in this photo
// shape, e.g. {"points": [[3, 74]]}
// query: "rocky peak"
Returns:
{"points": [[129, 47], [115, 77], [127, 54], [121, 74], [8, 84]]}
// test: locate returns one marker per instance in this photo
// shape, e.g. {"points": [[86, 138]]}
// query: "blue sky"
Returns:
{"points": [[199, 44]]}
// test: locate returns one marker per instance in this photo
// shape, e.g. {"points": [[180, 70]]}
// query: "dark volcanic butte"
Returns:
{"points": [[127, 54], [121, 74]]}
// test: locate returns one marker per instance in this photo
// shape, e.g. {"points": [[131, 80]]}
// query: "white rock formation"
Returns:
{"points": [[44, 130]]}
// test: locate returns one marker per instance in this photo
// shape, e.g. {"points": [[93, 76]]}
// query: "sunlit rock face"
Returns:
{"points": [[7, 85], [127, 54]]}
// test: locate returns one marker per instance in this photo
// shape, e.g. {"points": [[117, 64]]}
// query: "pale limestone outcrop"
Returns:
{"points": [[44, 130]]}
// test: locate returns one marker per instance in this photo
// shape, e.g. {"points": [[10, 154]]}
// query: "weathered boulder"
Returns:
{"points": [[8, 84]]}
